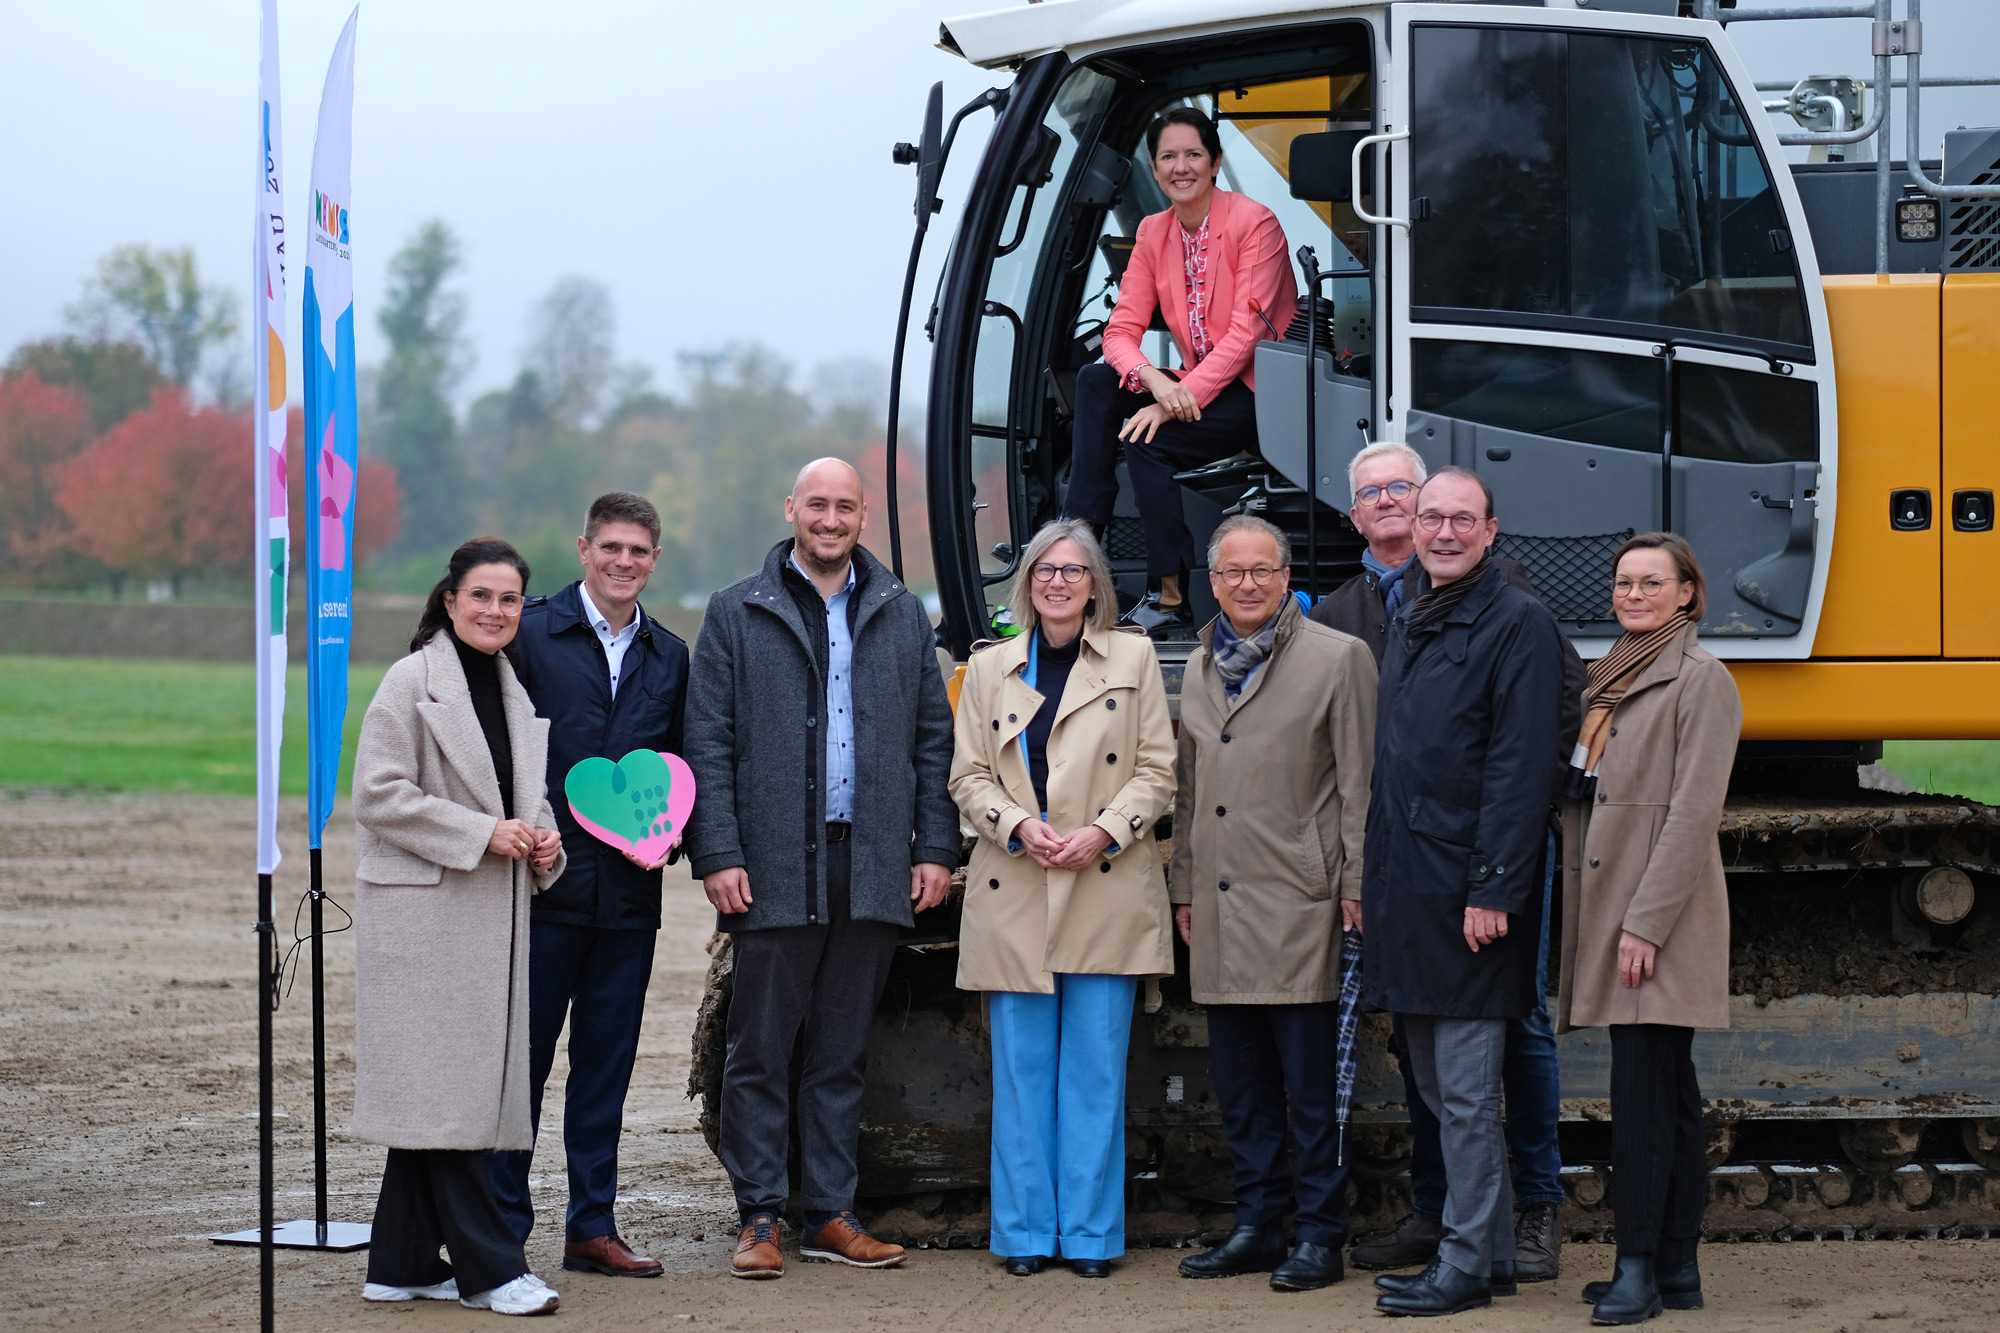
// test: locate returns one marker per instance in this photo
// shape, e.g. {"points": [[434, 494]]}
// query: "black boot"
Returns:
{"points": [[1310, 1268], [1538, 1243], [1090, 1267], [1414, 1241], [1026, 1265], [1249, 1249], [1441, 1290], [1680, 1289], [1634, 1296]]}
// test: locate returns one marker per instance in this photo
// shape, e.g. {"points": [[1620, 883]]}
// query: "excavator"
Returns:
{"points": [[1562, 244]]}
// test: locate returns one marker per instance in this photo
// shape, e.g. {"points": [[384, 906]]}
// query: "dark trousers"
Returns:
{"points": [[1274, 1065], [813, 988], [433, 1197], [1659, 1151], [1227, 426], [1534, 1098], [597, 980]]}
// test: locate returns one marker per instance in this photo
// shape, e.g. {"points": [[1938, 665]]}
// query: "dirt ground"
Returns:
{"points": [[128, 1133]]}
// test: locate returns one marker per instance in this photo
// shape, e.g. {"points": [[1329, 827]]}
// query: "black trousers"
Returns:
{"points": [[1274, 1068], [435, 1197], [1227, 426], [813, 988], [1659, 1150]]}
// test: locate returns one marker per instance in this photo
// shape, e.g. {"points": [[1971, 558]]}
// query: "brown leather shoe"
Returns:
{"points": [[757, 1253], [608, 1255], [842, 1241]]}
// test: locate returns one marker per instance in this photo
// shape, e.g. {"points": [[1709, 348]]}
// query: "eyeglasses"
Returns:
{"points": [[1395, 490], [1069, 573], [1462, 524], [485, 599], [1259, 575], [1647, 588]]}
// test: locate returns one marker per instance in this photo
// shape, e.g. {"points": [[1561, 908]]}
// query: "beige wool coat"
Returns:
{"points": [[1111, 763], [1649, 861], [441, 923], [1270, 813]]}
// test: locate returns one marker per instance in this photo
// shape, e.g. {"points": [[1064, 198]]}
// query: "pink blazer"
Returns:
{"points": [[1246, 258]]}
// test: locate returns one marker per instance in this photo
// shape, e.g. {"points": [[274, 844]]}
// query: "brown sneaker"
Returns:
{"points": [[842, 1241], [608, 1255], [757, 1254]]}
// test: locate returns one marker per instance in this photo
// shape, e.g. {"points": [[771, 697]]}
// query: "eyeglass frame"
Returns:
{"points": [[1362, 496], [483, 598], [1640, 586], [1035, 572], [1430, 520], [1270, 572]]}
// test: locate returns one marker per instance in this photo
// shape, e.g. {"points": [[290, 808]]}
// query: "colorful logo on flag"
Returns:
{"points": [[330, 217]]}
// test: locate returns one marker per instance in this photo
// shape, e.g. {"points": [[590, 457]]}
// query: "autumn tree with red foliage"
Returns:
{"points": [[42, 428], [378, 498]]}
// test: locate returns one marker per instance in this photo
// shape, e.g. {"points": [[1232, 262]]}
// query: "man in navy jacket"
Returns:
{"points": [[610, 680]]}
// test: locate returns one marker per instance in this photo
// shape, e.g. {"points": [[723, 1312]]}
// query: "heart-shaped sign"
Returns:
{"points": [[639, 804]]}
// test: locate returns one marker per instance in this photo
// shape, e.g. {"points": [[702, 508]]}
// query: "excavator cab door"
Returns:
{"points": [[1604, 300]]}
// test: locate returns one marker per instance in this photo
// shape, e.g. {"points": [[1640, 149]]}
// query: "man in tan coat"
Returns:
{"points": [[1276, 746]]}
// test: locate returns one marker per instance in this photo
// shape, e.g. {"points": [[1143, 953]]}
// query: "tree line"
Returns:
{"points": [[125, 441]]}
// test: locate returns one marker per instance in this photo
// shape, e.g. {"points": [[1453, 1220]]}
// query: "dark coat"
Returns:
{"points": [[755, 708], [1356, 608], [1458, 816], [561, 662]]}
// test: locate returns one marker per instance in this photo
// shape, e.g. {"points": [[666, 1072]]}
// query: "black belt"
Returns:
{"points": [[838, 830]]}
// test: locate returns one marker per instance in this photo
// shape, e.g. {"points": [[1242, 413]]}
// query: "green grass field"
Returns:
{"points": [[108, 724], [120, 724]]}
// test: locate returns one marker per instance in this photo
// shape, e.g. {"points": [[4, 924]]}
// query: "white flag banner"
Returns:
{"points": [[273, 558]]}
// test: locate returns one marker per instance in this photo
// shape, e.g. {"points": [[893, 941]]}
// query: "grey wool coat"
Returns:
{"points": [[755, 741], [441, 923]]}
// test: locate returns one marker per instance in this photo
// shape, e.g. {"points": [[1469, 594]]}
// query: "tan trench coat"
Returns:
{"points": [[1650, 862], [1110, 764], [1273, 801], [441, 924]]}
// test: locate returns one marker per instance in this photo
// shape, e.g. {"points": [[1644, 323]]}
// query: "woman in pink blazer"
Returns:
{"points": [[1201, 264]]}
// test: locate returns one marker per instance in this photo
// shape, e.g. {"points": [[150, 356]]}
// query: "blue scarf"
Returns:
{"points": [[1235, 657], [1390, 581]]}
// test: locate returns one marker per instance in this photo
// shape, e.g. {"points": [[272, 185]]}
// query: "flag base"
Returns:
{"points": [[303, 1234]]}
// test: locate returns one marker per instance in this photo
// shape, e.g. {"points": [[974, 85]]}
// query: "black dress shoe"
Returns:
{"points": [[1501, 1283], [1159, 620], [1634, 1296], [1413, 1242], [1252, 1249], [1679, 1290], [1026, 1265], [1538, 1243], [1441, 1290], [1309, 1268], [1090, 1267]]}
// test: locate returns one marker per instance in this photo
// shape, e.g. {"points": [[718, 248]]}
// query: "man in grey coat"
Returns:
{"points": [[820, 737]]}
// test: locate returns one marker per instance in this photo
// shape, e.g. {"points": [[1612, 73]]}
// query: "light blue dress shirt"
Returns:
{"points": [[839, 702]]}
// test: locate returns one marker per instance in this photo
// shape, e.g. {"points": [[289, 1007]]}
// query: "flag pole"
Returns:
{"points": [[267, 1000], [319, 1056]]}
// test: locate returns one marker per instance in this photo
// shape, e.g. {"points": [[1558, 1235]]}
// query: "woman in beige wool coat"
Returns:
{"points": [[453, 832], [1645, 935]]}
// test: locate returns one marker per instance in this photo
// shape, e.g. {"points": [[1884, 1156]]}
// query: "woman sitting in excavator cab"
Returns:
{"points": [[1214, 267]]}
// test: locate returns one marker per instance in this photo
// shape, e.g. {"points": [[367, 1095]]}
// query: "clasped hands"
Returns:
{"points": [[1172, 402], [1061, 851], [516, 839]]}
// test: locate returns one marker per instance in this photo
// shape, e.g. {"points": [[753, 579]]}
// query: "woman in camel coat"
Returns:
{"points": [[1646, 914], [1064, 761], [453, 832]]}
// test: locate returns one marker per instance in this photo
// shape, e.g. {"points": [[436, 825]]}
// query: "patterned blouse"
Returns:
{"points": [[1194, 253]]}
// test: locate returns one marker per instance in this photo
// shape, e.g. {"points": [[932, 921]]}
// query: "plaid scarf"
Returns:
{"points": [[1610, 677], [1435, 603], [1235, 656]]}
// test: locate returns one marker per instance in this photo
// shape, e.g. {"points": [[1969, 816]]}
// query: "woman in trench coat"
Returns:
{"points": [[1645, 912], [453, 832], [1064, 761]]}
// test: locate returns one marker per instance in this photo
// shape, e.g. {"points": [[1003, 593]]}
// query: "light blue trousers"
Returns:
{"points": [[1059, 1117]]}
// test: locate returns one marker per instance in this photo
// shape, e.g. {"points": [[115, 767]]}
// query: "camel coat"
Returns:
{"points": [[1650, 862], [441, 950], [1270, 813], [1111, 763]]}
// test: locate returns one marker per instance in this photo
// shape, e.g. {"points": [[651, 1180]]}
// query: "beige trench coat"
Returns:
{"points": [[1111, 755], [1650, 862], [1268, 821], [441, 951]]}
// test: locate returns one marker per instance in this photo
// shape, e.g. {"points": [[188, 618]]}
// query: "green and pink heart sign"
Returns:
{"points": [[639, 805]]}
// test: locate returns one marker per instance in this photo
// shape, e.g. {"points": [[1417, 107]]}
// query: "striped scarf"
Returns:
{"points": [[1235, 656], [1610, 677]]}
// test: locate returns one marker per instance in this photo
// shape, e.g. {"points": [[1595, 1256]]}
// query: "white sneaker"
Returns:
{"points": [[446, 1290], [526, 1294]]}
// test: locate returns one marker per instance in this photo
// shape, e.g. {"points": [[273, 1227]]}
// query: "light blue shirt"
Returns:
{"points": [[615, 641], [839, 702]]}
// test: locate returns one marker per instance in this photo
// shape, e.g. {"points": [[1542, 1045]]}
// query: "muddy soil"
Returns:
{"points": [[128, 1133], [1833, 935]]}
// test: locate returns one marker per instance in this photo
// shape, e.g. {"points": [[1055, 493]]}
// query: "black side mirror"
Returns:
{"points": [[1322, 167], [927, 155], [1103, 177]]}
